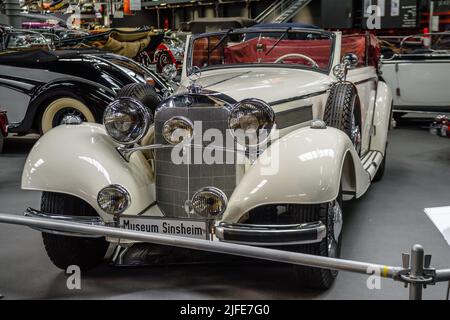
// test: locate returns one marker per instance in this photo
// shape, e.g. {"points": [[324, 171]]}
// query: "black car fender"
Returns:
{"points": [[96, 97]]}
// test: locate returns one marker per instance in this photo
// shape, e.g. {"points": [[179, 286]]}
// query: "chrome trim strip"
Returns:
{"points": [[365, 80], [422, 111], [434, 59], [282, 233], [292, 99]]}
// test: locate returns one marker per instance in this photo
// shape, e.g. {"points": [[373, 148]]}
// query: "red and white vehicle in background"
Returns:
{"points": [[170, 51]]}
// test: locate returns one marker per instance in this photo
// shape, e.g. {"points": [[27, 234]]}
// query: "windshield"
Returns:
{"points": [[305, 49]]}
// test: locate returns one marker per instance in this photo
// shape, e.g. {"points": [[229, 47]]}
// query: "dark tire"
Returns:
{"points": [[316, 278], [343, 111], [2, 141], [64, 251], [142, 92]]}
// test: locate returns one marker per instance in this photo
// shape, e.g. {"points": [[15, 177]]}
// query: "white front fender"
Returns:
{"points": [[80, 161], [306, 167]]}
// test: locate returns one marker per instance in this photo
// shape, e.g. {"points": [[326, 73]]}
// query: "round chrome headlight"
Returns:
{"points": [[209, 202], [126, 120], [251, 121], [113, 199], [177, 130]]}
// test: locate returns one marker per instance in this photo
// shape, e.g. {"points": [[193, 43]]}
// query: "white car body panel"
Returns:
{"points": [[268, 84], [420, 85], [80, 161], [382, 118], [300, 153]]}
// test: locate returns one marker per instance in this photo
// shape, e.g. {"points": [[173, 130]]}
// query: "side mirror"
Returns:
{"points": [[350, 59], [169, 72]]}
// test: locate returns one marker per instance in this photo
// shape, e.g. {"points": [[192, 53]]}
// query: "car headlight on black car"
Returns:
{"points": [[126, 120], [251, 121]]}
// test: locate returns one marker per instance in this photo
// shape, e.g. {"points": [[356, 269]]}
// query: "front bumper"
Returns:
{"points": [[249, 234], [93, 221], [271, 235]]}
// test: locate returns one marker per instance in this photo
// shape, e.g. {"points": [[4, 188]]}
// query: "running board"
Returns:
{"points": [[371, 162]]}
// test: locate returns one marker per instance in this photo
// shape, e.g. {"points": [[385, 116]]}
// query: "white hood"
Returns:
{"points": [[267, 84]]}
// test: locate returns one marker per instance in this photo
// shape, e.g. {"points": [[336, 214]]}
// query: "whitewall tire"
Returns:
{"points": [[56, 109]]}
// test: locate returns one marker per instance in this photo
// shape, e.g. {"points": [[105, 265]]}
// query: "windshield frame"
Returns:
{"points": [[327, 71]]}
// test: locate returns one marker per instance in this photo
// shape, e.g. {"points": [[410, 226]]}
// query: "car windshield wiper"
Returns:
{"points": [[279, 40], [220, 41]]}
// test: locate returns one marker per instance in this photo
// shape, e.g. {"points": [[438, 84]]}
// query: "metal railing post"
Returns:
{"points": [[448, 291], [417, 261]]}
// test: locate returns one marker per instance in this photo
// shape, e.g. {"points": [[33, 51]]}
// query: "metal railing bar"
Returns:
{"points": [[204, 245], [442, 275]]}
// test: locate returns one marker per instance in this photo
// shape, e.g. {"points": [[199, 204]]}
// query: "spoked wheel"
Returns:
{"points": [[335, 222], [355, 132]]}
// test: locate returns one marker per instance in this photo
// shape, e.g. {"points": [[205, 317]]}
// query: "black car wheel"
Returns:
{"points": [[65, 251], [329, 213], [331, 216]]}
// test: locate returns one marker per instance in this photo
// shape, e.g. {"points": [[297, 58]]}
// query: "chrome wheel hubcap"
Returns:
{"points": [[73, 117]]}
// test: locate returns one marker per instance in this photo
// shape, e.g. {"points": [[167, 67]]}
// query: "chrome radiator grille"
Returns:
{"points": [[176, 183]]}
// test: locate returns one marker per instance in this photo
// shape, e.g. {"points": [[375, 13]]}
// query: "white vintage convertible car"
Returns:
{"points": [[419, 77], [269, 132]]}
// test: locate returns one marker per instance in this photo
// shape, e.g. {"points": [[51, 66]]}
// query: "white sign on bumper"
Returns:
{"points": [[183, 228]]}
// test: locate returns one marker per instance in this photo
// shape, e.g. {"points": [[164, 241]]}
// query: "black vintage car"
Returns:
{"points": [[41, 89]]}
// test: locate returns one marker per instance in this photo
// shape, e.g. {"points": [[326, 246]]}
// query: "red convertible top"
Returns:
{"points": [[356, 43]]}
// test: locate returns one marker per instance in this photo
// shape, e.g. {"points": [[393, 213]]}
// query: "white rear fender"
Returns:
{"points": [[382, 116], [80, 161], [311, 163]]}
